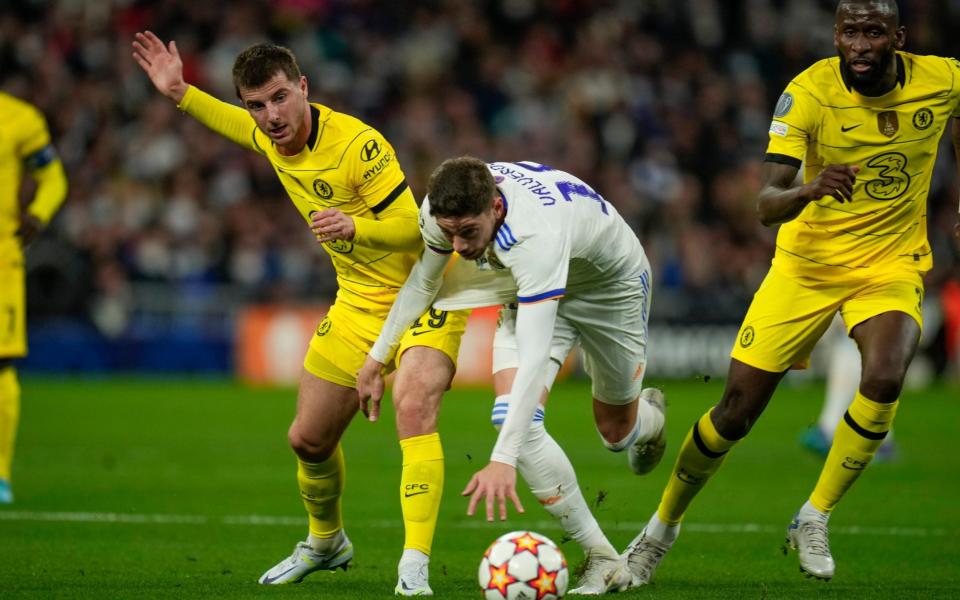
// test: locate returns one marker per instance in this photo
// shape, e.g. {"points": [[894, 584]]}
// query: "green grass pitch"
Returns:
{"points": [[184, 488]]}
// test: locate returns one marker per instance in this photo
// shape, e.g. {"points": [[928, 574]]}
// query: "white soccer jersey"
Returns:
{"points": [[559, 237]]}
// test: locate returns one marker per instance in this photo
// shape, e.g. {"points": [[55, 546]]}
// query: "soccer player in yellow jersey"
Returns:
{"points": [[866, 126], [24, 145], [345, 180]]}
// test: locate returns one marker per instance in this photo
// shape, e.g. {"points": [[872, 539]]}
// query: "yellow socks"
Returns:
{"points": [[421, 487], [321, 485], [9, 418], [702, 453], [858, 435]]}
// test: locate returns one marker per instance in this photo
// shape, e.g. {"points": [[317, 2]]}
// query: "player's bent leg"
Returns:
{"points": [[324, 409], [9, 420], [548, 472], [639, 426], [424, 375]]}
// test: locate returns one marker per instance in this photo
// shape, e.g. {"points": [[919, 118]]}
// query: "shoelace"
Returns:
{"points": [[816, 535], [646, 556]]}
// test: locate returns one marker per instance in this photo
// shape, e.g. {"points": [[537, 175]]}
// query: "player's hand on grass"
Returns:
{"points": [[331, 224], [496, 482], [370, 388], [161, 63], [834, 180]]}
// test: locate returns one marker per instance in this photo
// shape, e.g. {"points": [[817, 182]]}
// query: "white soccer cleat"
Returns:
{"points": [[306, 560], [413, 578], [645, 456], [602, 575], [809, 539], [643, 556]]}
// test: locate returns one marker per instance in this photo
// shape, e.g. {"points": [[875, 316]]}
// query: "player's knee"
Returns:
{"points": [[307, 449], [881, 387], [732, 417], [416, 403]]}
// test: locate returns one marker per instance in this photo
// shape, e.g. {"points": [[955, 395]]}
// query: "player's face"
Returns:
{"points": [[867, 36], [470, 235], [281, 111]]}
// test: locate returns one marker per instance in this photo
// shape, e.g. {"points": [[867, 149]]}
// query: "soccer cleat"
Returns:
{"points": [[809, 538], [643, 556], [306, 560], [6, 494], [602, 575], [413, 578], [645, 456]]}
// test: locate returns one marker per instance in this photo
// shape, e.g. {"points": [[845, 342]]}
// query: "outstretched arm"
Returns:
{"points": [[497, 481], [780, 200], [163, 66]]}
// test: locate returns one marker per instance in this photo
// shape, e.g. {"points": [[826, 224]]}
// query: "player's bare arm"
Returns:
{"points": [[331, 224], [30, 228], [779, 201], [161, 63]]}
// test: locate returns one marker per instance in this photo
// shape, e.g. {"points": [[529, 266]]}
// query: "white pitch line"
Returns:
{"points": [[275, 521]]}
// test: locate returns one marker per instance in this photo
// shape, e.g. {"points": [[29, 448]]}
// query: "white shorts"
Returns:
{"points": [[610, 324]]}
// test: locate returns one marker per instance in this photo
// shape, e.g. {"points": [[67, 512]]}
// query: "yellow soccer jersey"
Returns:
{"points": [[24, 142], [893, 138], [346, 165]]}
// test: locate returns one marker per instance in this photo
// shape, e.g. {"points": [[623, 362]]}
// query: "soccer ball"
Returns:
{"points": [[523, 565]]}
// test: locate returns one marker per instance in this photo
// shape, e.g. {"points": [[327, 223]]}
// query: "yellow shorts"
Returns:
{"points": [[787, 317], [341, 342], [13, 309]]}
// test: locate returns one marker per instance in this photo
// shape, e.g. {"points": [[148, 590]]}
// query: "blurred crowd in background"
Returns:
{"points": [[662, 105]]}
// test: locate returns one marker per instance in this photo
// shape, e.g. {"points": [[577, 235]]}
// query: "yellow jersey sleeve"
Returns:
{"points": [[794, 119], [232, 122], [33, 137]]}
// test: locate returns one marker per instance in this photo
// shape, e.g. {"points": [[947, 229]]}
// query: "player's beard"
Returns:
{"points": [[868, 83]]}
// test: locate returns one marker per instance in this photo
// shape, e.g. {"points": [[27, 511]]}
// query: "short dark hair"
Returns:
{"points": [[460, 187], [259, 63]]}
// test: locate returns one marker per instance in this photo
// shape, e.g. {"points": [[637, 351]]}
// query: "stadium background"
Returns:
{"points": [[170, 231]]}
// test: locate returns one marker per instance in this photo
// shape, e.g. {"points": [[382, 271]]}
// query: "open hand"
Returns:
{"points": [[496, 482], [161, 63]]}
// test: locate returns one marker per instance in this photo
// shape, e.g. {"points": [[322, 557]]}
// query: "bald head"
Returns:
{"points": [[885, 9]]}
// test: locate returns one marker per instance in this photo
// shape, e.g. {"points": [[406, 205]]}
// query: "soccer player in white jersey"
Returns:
{"points": [[577, 273]]}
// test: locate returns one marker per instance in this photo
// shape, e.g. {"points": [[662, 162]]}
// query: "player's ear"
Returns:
{"points": [[303, 85], [900, 38]]}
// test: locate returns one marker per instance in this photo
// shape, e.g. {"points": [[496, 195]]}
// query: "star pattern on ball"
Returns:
{"points": [[545, 583], [527, 542], [500, 579]]}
